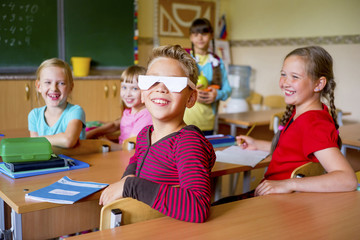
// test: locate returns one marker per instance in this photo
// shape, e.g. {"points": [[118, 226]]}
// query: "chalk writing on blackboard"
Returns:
{"points": [[16, 23]]}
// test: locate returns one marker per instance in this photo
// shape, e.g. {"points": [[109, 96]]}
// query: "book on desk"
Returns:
{"points": [[65, 191], [221, 140], [73, 164], [237, 155]]}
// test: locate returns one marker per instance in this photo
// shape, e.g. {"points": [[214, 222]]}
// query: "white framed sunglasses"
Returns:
{"points": [[173, 84]]}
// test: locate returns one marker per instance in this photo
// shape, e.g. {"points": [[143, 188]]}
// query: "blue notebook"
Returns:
{"points": [[221, 140], [76, 165], [65, 191]]}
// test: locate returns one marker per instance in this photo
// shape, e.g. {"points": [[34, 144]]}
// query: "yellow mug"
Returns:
{"points": [[81, 66]]}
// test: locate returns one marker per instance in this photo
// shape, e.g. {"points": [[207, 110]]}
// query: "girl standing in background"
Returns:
{"points": [[213, 69]]}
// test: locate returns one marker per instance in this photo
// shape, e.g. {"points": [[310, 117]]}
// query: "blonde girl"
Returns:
{"points": [[135, 117], [62, 123]]}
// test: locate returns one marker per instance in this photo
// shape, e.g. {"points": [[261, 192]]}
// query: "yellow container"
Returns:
{"points": [[81, 66]]}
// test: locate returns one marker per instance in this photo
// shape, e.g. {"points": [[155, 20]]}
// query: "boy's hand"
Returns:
{"points": [[113, 191]]}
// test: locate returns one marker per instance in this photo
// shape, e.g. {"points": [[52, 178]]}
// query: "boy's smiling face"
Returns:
{"points": [[161, 103]]}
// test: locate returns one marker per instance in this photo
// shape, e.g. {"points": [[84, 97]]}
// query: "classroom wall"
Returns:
{"points": [[262, 32], [262, 19]]}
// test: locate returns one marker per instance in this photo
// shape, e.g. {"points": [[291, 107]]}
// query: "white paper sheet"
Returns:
{"points": [[237, 155]]}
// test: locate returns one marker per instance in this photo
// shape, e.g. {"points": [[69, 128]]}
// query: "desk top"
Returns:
{"points": [[280, 216], [249, 118], [350, 134], [14, 133], [104, 168]]}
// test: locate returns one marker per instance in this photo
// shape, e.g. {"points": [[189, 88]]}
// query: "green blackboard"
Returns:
{"points": [[100, 29], [28, 32], [34, 30]]}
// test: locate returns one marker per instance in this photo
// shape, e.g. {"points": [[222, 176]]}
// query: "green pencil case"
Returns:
{"points": [[25, 149]]}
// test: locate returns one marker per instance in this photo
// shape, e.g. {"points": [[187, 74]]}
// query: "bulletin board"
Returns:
{"points": [[175, 16]]}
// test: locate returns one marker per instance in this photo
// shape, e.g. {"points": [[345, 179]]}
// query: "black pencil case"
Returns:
{"points": [[53, 162]]}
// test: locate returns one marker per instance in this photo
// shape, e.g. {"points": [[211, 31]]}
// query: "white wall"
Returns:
{"points": [[267, 61], [280, 20], [258, 19]]}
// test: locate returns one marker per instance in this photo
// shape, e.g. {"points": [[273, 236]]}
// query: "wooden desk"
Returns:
{"points": [[221, 169], [15, 133], [282, 216], [22, 132], [43, 220], [247, 119], [350, 136]]}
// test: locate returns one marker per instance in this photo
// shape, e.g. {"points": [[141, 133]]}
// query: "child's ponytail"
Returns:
{"points": [[328, 93], [284, 120]]}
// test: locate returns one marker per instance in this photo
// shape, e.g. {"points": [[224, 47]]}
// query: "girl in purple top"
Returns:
{"points": [[170, 170], [135, 117]]}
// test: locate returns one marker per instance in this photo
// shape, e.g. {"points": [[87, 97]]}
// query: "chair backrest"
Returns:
{"points": [[85, 146], [254, 100], [132, 211], [274, 101], [275, 121], [129, 143], [307, 170]]}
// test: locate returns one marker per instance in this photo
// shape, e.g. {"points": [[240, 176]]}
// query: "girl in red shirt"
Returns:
{"points": [[308, 133]]}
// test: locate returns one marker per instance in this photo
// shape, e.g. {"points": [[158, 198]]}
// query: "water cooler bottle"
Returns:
{"points": [[239, 79]]}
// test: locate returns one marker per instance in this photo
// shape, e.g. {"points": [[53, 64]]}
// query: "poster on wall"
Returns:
{"points": [[223, 51], [175, 16]]}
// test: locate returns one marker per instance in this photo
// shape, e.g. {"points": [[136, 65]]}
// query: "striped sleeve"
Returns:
{"points": [[175, 177], [191, 201]]}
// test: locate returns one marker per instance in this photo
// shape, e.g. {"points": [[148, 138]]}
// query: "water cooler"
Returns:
{"points": [[239, 79]]}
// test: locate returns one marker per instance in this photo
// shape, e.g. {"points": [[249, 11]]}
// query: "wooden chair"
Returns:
{"points": [[254, 100], [85, 146], [129, 143], [274, 101], [307, 170], [275, 121], [132, 211]]}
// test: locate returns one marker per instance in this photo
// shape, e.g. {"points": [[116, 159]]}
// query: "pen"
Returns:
{"points": [[247, 134]]}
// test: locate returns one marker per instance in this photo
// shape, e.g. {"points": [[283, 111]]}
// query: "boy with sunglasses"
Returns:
{"points": [[170, 170]]}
